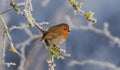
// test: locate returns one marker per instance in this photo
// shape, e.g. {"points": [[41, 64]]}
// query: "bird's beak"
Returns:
{"points": [[68, 30]]}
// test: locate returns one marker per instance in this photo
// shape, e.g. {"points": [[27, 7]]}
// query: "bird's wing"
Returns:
{"points": [[51, 35]]}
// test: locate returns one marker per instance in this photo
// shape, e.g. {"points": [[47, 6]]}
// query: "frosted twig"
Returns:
{"points": [[12, 48], [22, 26], [23, 44], [94, 62], [5, 11], [26, 12], [6, 30], [77, 8], [4, 48], [8, 64], [22, 47], [26, 42], [21, 4], [43, 23], [54, 52], [18, 27], [105, 31], [51, 63], [28, 32], [6, 33]]}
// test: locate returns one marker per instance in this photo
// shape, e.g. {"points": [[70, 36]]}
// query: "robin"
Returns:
{"points": [[56, 34]]}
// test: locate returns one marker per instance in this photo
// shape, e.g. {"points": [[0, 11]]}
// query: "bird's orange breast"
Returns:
{"points": [[64, 33]]}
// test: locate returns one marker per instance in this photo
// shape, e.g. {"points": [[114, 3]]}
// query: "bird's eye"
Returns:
{"points": [[64, 29]]}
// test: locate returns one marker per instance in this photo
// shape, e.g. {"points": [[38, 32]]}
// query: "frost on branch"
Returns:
{"points": [[77, 7], [12, 48], [94, 62], [105, 31], [55, 52], [26, 12]]}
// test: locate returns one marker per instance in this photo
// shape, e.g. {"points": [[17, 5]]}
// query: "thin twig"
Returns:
{"points": [[9, 38], [105, 31], [51, 63], [5, 11], [40, 28], [94, 62]]}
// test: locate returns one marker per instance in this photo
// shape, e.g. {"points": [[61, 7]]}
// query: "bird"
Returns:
{"points": [[56, 34]]}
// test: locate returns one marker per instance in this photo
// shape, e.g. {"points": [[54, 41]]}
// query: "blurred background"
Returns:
{"points": [[81, 44]]}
